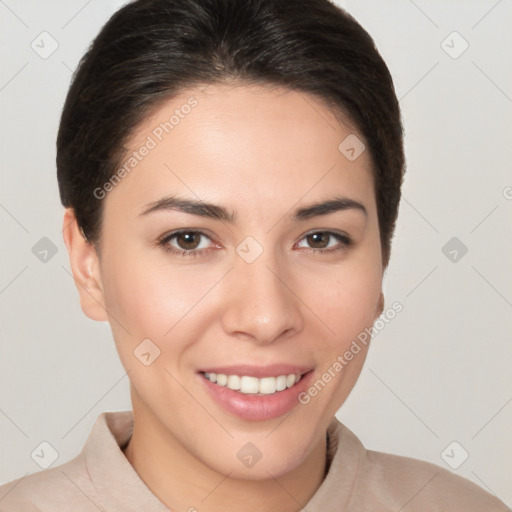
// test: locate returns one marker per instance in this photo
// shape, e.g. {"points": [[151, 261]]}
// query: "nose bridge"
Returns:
{"points": [[260, 303]]}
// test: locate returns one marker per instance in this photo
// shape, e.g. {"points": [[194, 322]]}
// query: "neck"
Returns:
{"points": [[182, 482]]}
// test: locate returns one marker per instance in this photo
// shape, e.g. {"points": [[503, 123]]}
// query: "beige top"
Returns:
{"points": [[100, 478]]}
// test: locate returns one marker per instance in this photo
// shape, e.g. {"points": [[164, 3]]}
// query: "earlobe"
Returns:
{"points": [[85, 267], [380, 306]]}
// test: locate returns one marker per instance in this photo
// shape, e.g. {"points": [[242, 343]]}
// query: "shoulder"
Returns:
{"points": [[99, 473], [50, 489], [414, 485], [388, 483]]}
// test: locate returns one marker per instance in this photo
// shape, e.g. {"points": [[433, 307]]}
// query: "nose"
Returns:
{"points": [[260, 304]]}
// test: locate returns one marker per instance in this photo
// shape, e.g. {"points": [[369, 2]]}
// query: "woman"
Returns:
{"points": [[231, 173]]}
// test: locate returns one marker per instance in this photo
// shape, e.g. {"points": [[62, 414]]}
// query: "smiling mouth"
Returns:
{"points": [[249, 385]]}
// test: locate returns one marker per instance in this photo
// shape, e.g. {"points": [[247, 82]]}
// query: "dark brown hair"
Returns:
{"points": [[150, 50]]}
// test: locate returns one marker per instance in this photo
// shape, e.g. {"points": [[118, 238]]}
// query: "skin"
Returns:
{"points": [[261, 152]]}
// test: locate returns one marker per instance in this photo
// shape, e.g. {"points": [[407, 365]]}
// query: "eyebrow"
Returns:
{"points": [[217, 212]]}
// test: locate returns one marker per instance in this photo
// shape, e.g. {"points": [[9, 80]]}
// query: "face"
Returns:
{"points": [[215, 260]]}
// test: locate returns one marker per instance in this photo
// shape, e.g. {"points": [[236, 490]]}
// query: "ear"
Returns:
{"points": [[380, 306], [85, 267]]}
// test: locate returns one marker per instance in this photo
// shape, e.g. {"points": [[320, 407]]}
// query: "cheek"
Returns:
{"points": [[151, 300], [347, 305], [347, 301]]}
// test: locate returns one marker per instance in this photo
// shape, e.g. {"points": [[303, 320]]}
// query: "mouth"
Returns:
{"points": [[256, 393], [251, 385]]}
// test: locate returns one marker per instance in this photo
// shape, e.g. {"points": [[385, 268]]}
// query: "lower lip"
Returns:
{"points": [[257, 407]]}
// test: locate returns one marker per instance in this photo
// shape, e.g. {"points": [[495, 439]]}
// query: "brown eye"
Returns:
{"points": [[188, 240], [318, 240], [186, 243], [325, 241]]}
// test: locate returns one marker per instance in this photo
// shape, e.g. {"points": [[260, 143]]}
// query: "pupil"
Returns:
{"points": [[188, 240], [318, 237]]}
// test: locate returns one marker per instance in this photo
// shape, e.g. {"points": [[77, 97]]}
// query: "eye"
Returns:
{"points": [[326, 241], [186, 242], [195, 243]]}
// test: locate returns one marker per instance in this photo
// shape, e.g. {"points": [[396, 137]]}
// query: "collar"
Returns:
{"points": [[121, 488]]}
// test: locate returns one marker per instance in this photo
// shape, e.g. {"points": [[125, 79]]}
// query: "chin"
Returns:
{"points": [[264, 456]]}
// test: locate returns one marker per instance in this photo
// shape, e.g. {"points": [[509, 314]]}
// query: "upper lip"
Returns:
{"points": [[272, 370]]}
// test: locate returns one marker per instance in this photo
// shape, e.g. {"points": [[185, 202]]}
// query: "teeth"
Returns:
{"points": [[252, 385], [281, 382], [234, 382], [267, 385], [249, 384]]}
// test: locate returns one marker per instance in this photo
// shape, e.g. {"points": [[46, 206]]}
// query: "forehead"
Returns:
{"points": [[257, 143]]}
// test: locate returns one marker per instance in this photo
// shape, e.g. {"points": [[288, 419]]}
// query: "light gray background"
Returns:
{"points": [[438, 373]]}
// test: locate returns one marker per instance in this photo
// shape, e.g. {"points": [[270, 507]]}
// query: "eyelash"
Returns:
{"points": [[345, 240]]}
